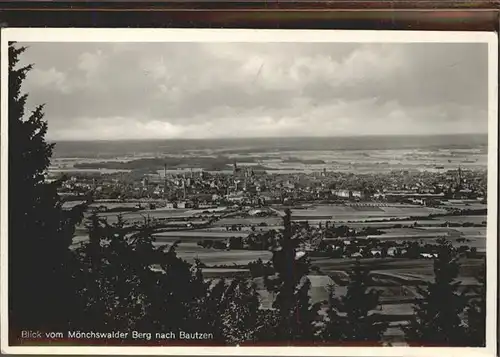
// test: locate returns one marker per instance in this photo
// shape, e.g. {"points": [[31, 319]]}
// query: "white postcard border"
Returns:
{"points": [[233, 35]]}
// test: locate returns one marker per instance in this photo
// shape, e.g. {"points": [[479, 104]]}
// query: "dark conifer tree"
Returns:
{"points": [[353, 317], [476, 312], [41, 286], [122, 290], [296, 317], [113, 276], [439, 313], [242, 320]]}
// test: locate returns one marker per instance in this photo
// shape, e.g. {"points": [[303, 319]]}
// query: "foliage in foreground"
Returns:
{"points": [[130, 283], [476, 312], [351, 318], [41, 283], [438, 318]]}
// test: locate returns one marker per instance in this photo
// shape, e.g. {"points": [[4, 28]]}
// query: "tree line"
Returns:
{"points": [[120, 280]]}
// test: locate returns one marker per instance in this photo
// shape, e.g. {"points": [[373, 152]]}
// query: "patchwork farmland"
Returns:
{"points": [[395, 278]]}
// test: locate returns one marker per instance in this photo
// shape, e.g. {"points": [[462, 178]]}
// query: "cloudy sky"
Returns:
{"points": [[203, 90]]}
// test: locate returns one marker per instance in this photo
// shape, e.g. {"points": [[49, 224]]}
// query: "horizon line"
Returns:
{"points": [[269, 137]]}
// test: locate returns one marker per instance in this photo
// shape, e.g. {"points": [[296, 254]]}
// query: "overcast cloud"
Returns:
{"points": [[202, 90]]}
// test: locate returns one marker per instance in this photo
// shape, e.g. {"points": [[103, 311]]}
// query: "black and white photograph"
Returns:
{"points": [[241, 191]]}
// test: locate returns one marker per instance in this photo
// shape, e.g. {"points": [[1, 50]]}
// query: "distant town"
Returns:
{"points": [[249, 187], [230, 199]]}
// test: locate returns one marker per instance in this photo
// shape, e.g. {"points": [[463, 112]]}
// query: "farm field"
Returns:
{"points": [[212, 257], [370, 222], [198, 234], [359, 222], [167, 213], [476, 236], [463, 219], [224, 273], [270, 221], [400, 267], [470, 206], [411, 233], [184, 247], [189, 251], [113, 205], [405, 310], [134, 216], [344, 212], [247, 229], [471, 231]]}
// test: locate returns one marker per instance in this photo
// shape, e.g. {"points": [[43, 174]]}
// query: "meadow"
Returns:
{"points": [[344, 213], [395, 278], [400, 267], [249, 221]]}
